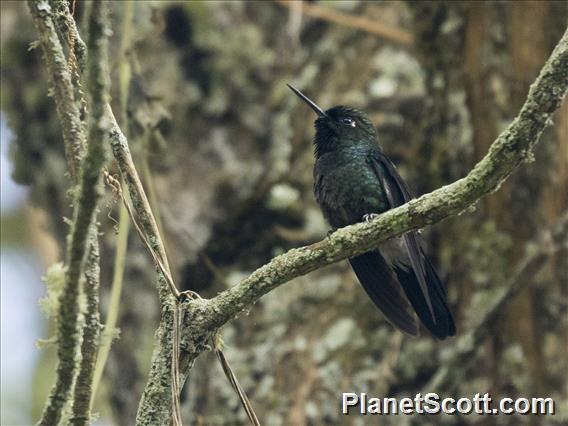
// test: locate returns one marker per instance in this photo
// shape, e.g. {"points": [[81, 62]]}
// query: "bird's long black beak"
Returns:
{"points": [[307, 100]]}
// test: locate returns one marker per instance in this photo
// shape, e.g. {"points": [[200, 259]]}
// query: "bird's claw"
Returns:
{"points": [[330, 232], [370, 216]]}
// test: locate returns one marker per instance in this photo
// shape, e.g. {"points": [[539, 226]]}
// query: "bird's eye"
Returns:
{"points": [[348, 121]]}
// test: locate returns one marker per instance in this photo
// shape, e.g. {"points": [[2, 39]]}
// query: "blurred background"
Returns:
{"points": [[225, 152]]}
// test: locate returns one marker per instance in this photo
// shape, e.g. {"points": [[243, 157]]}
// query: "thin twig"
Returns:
{"points": [[237, 387], [108, 333], [394, 34], [123, 220], [115, 184], [147, 222]]}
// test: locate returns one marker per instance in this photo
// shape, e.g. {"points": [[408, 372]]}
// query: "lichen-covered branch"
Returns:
{"points": [[74, 141], [97, 86], [65, 26], [508, 151], [537, 256], [121, 151], [85, 168], [91, 333], [67, 109], [123, 218], [155, 404]]}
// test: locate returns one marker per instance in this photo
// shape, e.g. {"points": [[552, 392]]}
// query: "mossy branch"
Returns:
{"points": [[81, 409], [97, 89], [123, 219], [85, 165], [67, 110], [155, 405], [140, 203]]}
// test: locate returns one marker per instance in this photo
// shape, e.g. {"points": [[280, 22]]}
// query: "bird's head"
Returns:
{"points": [[339, 127]]}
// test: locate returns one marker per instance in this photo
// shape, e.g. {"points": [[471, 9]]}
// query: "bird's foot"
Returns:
{"points": [[330, 232], [370, 216]]}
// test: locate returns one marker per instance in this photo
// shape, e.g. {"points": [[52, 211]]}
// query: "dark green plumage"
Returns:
{"points": [[353, 179]]}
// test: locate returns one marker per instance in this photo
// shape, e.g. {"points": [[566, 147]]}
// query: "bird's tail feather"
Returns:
{"points": [[442, 325], [380, 284]]}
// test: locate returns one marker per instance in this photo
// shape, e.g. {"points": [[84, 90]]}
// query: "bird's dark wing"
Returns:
{"points": [[419, 279], [371, 268]]}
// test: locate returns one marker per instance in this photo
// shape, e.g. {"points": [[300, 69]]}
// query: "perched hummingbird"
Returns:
{"points": [[354, 181]]}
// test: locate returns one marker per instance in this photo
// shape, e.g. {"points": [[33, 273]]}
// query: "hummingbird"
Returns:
{"points": [[355, 181]]}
